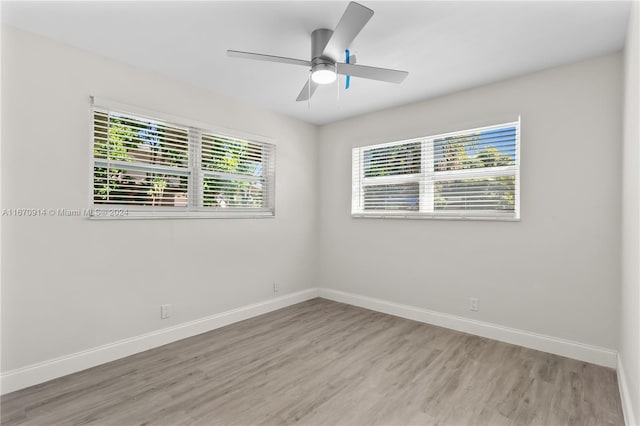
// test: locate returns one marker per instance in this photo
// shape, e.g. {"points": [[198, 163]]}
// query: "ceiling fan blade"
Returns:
{"points": [[305, 93], [373, 73], [353, 20], [268, 58]]}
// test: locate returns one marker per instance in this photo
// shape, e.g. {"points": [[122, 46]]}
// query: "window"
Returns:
{"points": [[150, 168], [473, 174]]}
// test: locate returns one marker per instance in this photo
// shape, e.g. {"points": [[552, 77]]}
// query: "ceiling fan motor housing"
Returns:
{"points": [[319, 39]]}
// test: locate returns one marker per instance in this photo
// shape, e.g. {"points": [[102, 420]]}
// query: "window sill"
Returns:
{"points": [[113, 213], [432, 217]]}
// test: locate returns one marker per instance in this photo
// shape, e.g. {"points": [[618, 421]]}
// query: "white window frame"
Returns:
{"points": [[428, 177], [194, 209]]}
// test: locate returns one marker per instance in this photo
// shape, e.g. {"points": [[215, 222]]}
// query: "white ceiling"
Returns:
{"points": [[445, 45]]}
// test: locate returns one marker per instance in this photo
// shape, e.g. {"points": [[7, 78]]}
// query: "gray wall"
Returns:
{"points": [[555, 272], [70, 284], [630, 294]]}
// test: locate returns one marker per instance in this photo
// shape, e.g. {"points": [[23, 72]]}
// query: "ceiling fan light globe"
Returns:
{"points": [[323, 76]]}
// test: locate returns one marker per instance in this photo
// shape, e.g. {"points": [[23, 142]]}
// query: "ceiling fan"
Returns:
{"points": [[327, 47]]}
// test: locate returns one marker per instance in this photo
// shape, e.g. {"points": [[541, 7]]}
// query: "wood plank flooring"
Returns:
{"points": [[326, 363]]}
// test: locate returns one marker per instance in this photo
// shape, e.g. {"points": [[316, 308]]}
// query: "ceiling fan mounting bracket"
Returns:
{"points": [[319, 40]]}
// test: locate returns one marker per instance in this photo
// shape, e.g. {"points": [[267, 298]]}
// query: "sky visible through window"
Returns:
{"points": [[504, 139]]}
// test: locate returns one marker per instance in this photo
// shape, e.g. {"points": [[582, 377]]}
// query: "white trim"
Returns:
{"points": [[118, 212], [625, 397], [389, 214], [541, 342], [518, 167], [41, 372], [428, 177], [193, 171]]}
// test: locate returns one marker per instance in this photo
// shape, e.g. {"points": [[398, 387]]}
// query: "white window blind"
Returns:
{"points": [[155, 168], [472, 174], [234, 173]]}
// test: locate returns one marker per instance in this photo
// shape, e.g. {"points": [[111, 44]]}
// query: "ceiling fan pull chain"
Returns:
{"points": [[335, 68]]}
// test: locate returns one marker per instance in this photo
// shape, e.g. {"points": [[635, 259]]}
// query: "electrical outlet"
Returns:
{"points": [[165, 311], [473, 304], [275, 287]]}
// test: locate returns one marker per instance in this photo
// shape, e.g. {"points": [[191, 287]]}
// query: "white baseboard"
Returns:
{"points": [[58, 367], [554, 345], [625, 397]]}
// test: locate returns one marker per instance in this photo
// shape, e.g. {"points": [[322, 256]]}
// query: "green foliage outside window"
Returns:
{"points": [[237, 157], [143, 143]]}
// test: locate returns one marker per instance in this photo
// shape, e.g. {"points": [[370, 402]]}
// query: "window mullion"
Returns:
{"points": [[426, 181], [357, 175], [361, 176], [270, 177], [195, 162], [486, 172], [382, 180]]}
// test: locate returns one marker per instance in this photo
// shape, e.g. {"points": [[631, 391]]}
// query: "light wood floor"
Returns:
{"points": [[326, 363]]}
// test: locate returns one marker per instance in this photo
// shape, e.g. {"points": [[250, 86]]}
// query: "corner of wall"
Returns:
{"points": [[629, 353]]}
